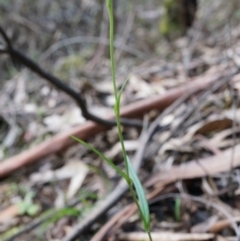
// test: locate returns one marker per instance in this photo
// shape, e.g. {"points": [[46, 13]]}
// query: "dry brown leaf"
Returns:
{"points": [[215, 125], [204, 226], [9, 213], [221, 224]]}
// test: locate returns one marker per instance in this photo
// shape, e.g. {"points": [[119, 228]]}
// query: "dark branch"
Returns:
{"points": [[3, 51], [5, 37], [26, 61]]}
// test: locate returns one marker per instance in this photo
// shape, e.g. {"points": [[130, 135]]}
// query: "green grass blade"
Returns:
{"points": [[177, 209], [143, 204], [119, 95], [122, 89], [117, 113], [111, 46], [109, 3], [109, 162]]}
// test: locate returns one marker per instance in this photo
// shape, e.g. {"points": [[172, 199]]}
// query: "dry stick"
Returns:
{"points": [[76, 96], [122, 187], [89, 129], [164, 236], [125, 214]]}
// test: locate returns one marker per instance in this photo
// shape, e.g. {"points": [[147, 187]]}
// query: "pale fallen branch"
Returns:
{"points": [[199, 168], [165, 236]]}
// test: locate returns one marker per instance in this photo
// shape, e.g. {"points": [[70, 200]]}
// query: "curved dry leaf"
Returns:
{"points": [[215, 125], [221, 140], [221, 135], [221, 224]]}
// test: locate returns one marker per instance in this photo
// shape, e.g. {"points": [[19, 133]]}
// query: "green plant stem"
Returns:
{"points": [[136, 200], [145, 218], [111, 37], [177, 209], [117, 106], [150, 236], [139, 209]]}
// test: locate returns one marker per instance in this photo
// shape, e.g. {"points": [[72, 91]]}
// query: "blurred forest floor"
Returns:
{"points": [[190, 165]]}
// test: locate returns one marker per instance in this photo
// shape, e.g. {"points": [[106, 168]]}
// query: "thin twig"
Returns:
{"points": [[5, 37]]}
